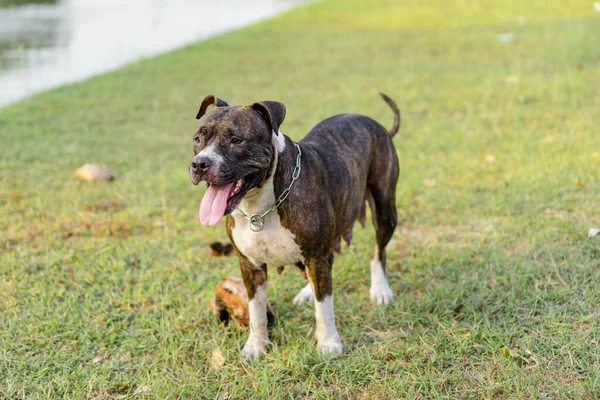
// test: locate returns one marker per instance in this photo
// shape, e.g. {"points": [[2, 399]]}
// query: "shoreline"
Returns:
{"points": [[81, 47]]}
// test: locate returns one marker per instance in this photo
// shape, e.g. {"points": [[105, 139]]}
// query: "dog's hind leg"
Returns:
{"points": [[304, 296], [383, 209]]}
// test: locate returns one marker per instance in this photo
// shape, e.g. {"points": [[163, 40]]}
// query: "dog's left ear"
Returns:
{"points": [[272, 111], [210, 100]]}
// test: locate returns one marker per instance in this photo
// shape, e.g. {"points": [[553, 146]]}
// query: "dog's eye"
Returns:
{"points": [[235, 140], [196, 139]]}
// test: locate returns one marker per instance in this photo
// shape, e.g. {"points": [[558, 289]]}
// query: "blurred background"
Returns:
{"points": [[106, 286], [46, 43]]}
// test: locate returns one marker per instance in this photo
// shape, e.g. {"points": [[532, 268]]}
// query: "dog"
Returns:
{"points": [[291, 203]]}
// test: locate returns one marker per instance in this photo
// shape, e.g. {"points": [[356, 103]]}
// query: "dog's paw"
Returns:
{"points": [[330, 345], [254, 348], [305, 295], [381, 294]]}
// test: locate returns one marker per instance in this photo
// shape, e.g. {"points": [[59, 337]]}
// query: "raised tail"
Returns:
{"points": [[394, 107]]}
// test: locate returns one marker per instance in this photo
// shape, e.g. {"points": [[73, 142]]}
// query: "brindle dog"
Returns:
{"points": [[343, 163]]}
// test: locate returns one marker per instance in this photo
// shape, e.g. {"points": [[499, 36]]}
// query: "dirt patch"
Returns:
{"points": [[104, 205]]}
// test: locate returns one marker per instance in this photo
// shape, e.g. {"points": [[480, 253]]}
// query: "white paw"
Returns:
{"points": [[330, 345], [254, 348], [381, 294], [305, 295]]}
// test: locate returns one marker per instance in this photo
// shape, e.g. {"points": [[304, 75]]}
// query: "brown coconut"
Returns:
{"points": [[231, 302], [92, 172]]}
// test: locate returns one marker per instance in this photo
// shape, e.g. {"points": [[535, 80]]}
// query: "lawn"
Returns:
{"points": [[106, 286]]}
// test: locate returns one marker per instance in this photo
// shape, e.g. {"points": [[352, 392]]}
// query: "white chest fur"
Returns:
{"points": [[274, 245]]}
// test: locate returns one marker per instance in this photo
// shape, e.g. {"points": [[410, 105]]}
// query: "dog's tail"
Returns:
{"points": [[394, 107]]}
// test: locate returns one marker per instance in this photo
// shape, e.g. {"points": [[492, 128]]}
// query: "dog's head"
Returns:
{"points": [[233, 152]]}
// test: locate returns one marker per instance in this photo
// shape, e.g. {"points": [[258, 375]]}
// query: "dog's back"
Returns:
{"points": [[351, 180]]}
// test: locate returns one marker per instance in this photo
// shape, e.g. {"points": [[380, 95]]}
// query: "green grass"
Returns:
{"points": [[497, 286]]}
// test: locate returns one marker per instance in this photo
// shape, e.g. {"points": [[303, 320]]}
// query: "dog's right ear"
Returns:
{"points": [[210, 100]]}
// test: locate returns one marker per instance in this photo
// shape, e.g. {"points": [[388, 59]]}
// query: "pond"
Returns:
{"points": [[47, 43]]}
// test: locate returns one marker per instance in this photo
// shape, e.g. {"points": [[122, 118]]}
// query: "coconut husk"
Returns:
{"points": [[93, 172], [231, 302]]}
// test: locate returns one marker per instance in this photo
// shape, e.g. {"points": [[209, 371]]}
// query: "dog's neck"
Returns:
{"points": [[259, 200]]}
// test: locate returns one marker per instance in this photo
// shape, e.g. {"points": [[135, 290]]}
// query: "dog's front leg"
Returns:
{"points": [[319, 275], [255, 280]]}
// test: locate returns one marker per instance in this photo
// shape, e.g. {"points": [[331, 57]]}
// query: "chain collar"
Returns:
{"points": [[257, 221]]}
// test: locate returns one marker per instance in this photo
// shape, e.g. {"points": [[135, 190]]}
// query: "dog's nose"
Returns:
{"points": [[201, 164]]}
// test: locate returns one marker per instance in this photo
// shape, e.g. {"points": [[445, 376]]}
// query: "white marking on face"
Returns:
{"points": [[279, 141], [328, 338], [274, 245], [259, 337], [380, 289], [210, 151], [304, 296]]}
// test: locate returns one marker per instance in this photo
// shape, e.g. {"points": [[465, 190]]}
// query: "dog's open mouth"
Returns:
{"points": [[220, 200]]}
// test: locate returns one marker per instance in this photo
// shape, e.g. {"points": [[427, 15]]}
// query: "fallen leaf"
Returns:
{"points": [[99, 358], [525, 357], [508, 353], [142, 389], [593, 232], [219, 249], [217, 361], [490, 159]]}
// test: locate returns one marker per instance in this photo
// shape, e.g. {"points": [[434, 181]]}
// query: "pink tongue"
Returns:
{"points": [[214, 204]]}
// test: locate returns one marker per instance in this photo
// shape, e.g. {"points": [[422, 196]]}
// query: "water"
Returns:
{"points": [[47, 43]]}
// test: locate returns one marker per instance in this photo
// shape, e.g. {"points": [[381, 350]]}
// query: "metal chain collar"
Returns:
{"points": [[257, 221]]}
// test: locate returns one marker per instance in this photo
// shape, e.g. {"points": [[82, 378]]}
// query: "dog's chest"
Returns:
{"points": [[273, 245]]}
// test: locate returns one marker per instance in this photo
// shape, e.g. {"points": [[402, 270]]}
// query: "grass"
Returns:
{"points": [[106, 287]]}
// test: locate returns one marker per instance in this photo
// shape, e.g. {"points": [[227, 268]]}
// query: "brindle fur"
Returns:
{"points": [[347, 160]]}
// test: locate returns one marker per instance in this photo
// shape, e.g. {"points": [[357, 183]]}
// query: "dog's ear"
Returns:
{"points": [[210, 100], [272, 112]]}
